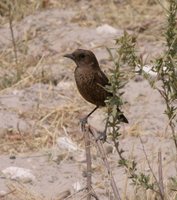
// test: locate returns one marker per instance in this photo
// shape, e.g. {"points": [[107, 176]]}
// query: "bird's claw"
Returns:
{"points": [[102, 136], [83, 123]]}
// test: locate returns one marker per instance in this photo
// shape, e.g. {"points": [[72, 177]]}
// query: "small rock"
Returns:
{"points": [[67, 144], [148, 69], [106, 29], [77, 186], [20, 174]]}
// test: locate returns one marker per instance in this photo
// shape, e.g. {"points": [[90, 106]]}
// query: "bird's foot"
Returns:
{"points": [[83, 123], [102, 136]]}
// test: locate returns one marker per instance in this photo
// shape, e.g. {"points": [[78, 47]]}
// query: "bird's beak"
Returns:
{"points": [[69, 56]]}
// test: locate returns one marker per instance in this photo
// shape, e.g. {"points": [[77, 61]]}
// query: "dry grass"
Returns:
{"points": [[19, 191]]}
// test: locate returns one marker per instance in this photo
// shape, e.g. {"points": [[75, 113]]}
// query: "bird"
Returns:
{"points": [[91, 80]]}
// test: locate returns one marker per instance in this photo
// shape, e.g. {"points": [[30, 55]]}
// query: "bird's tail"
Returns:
{"points": [[121, 116]]}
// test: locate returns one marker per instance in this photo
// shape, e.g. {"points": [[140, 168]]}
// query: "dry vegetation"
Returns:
{"points": [[23, 66]]}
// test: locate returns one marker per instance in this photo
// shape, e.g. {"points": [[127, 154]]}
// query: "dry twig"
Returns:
{"points": [[89, 161], [106, 163], [161, 185], [149, 165], [12, 34]]}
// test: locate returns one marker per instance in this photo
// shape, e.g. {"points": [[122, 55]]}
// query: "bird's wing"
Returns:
{"points": [[99, 82], [101, 78]]}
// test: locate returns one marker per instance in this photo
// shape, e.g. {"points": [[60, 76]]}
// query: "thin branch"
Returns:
{"points": [[12, 34], [106, 163], [89, 161], [92, 194], [160, 172], [149, 165]]}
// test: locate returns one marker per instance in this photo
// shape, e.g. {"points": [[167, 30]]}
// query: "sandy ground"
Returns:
{"points": [[41, 111]]}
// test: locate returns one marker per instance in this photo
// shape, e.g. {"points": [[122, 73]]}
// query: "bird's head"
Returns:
{"points": [[83, 58]]}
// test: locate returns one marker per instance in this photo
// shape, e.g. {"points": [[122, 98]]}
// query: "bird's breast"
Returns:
{"points": [[88, 87], [84, 81]]}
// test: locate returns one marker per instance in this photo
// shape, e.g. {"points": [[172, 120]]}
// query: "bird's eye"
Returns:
{"points": [[82, 55]]}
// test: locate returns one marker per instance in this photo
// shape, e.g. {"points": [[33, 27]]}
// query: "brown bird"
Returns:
{"points": [[90, 80]]}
